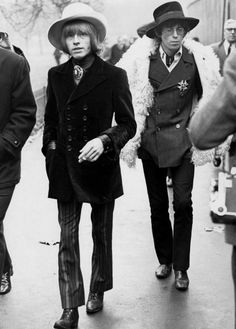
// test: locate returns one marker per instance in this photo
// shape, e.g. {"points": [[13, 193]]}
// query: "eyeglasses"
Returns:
{"points": [[231, 30], [171, 30], [3, 35]]}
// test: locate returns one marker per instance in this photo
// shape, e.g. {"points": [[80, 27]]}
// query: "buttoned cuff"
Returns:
{"points": [[107, 143]]}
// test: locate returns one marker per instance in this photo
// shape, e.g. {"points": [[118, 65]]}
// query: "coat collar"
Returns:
{"points": [[94, 76], [181, 69]]}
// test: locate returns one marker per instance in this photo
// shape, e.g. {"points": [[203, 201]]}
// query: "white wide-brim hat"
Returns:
{"points": [[77, 11]]}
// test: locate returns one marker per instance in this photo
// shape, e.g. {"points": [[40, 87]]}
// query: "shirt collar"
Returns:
{"points": [[177, 55]]}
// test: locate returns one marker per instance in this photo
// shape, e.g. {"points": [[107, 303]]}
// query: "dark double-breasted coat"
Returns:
{"points": [[166, 138], [17, 114], [77, 114]]}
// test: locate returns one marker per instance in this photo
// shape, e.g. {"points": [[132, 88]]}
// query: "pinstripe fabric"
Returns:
{"points": [[70, 276], [101, 216]]}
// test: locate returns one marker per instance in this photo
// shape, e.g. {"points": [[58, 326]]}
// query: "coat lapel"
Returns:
{"points": [[157, 70], [221, 51], [92, 78], [182, 71], [64, 79]]}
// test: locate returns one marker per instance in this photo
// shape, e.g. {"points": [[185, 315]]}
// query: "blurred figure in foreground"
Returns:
{"points": [[17, 118], [212, 124], [82, 152], [222, 49]]}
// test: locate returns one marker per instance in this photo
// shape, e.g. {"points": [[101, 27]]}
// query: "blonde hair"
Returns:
{"points": [[81, 28]]}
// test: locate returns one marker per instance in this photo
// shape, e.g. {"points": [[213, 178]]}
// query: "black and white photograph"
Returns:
{"points": [[118, 164]]}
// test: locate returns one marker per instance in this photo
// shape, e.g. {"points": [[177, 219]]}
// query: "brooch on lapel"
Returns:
{"points": [[78, 72], [183, 86]]}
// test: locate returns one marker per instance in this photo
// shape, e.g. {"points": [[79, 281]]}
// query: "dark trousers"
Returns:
{"points": [[5, 259], [172, 246], [70, 275]]}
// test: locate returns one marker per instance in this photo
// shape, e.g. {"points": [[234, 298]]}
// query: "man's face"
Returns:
{"points": [[230, 32], [78, 45], [172, 35]]}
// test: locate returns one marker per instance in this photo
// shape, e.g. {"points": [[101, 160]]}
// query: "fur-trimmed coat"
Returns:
{"points": [[136, 63]]}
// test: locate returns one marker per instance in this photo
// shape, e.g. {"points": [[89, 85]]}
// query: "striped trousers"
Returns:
{"points": [[70, 276]]}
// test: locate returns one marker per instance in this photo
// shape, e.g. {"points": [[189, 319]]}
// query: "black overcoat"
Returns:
{"points": [[77, 114], [17, 114]]}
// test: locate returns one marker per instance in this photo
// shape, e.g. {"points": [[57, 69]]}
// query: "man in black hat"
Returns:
{"points": [[165, 82]]}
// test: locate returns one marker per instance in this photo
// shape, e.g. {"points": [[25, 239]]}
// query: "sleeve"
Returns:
{"points": [[23, 111], [50, 117], [125, 127], [217, 119]]}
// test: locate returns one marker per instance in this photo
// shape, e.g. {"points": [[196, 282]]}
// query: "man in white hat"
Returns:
{"points": [[82, 151]]}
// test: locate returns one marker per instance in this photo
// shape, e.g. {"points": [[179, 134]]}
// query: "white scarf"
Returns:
{"points": [[136, 63]]}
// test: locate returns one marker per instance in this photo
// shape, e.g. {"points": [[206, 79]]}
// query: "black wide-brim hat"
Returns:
{"points": [[167, 12]]}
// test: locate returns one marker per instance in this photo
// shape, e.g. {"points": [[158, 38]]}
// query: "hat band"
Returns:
{"points": [[170, 15]]}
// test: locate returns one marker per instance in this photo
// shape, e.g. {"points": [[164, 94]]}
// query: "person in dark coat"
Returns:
{"points": [[17, 118], [82, 151], [212, 124], [166, 75], [6, 44], [223, 48]]}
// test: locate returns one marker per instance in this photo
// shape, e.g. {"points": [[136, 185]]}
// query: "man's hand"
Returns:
{"points": [[91, 151]]}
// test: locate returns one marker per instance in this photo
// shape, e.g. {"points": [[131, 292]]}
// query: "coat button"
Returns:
{"points": [[85, 108], [85, 118], [177, 125], [69, 138], [69, 128], [69, 148]]}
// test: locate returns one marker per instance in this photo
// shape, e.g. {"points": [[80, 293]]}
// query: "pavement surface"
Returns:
{"points": [[138, 299]]}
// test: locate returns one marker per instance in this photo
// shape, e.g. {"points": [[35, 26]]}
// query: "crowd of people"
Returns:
{"points": [[133, 100]]}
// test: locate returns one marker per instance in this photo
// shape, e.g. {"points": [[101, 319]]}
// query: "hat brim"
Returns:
{"points": [[55, 31], [189, 21]]}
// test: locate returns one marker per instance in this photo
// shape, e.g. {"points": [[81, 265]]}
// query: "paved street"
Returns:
{"points": [[138, 299]]}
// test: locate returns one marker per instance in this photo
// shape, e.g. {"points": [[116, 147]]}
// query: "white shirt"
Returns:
{"points": [[227, 45], [176, 60]]}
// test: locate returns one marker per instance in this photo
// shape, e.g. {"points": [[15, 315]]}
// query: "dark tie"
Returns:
{"points": [[169, 60], [229, 50]]}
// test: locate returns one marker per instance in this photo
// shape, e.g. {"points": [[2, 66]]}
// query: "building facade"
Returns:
{"points": [[212, 14]]}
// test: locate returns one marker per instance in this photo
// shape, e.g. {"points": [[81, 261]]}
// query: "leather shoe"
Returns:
{"points": [[163, 271], [181, 280], [5, 286], [95, 302], [68, 320]]}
